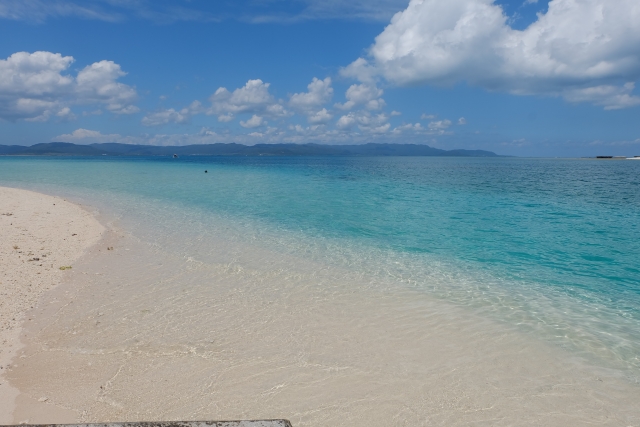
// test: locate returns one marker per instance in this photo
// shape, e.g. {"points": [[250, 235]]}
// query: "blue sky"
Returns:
{"points": [[531, 78]]}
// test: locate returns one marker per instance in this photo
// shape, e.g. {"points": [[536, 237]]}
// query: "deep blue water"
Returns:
{"points": [[555, 239]]}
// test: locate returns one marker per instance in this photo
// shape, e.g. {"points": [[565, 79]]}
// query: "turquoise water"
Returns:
{"points": [[548, 245]]}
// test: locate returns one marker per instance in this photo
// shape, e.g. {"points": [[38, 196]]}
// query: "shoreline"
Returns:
{"points": [[308, 352], [40, 234]]}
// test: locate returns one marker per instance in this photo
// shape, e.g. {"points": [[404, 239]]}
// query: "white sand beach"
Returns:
{"points": [[136, 333], [39, 234]]}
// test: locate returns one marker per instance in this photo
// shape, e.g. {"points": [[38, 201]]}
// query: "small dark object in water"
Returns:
{"points": [[206, 171], [175, 156], [604, 157]]}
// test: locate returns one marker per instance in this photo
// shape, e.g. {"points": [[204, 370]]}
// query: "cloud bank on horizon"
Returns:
{"points": [[583, 51]]}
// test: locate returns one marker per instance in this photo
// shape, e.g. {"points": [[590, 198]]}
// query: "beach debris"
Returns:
{"points": [[34, 259], [74, 234], [43, 399], [16, 247], [7, 214], [65, 267], [110, 248]]}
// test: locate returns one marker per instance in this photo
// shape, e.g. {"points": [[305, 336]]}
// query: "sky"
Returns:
{"points": [[517, 77]]}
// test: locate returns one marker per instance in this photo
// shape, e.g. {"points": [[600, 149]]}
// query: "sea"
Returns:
{"points": [[548, 247]]}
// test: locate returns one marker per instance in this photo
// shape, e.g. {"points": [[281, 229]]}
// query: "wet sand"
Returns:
{"points": [[143, 333]]}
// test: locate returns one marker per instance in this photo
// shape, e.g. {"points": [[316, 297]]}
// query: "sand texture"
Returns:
{"points": [[142, 332], [38, 235]]}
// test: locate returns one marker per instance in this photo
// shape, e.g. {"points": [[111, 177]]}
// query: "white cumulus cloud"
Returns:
{"points": [[346, 122], [172, 116], [365, 121], [320, 117], [66, 114], [582, 50], [409, 127], [34, 86], [165, 116], [367, 94], [97, 83], [253, 97], [225, 118], [439, 125], [254, 122], [319, 93], [610, 96]]}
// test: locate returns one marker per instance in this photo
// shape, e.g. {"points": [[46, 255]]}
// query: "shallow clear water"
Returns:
{"points": [[549, 245]]}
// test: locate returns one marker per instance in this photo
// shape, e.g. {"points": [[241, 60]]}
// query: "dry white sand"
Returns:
{"points": [[137, 333], [38, 235]]}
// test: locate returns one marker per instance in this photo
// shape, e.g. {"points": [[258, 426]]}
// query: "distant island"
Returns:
{"points": [[114, 149]]}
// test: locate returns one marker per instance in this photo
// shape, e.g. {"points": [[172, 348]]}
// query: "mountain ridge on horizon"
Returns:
{"points": [[234, 149]]}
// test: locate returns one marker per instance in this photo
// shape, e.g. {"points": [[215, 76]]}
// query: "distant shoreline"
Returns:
{"points": [[299, 150]]}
